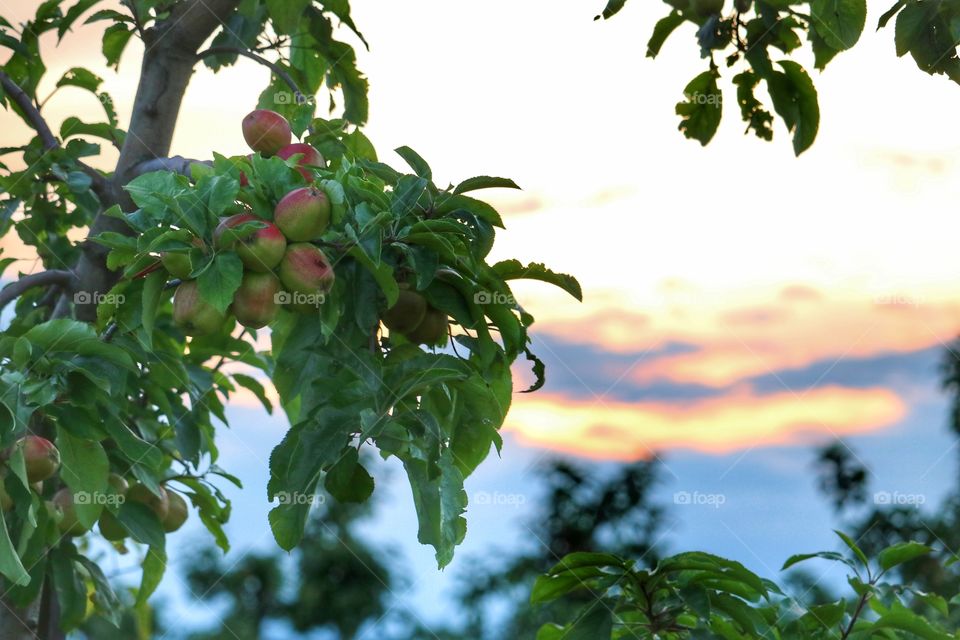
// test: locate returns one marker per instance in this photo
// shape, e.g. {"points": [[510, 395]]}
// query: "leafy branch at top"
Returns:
{"points": [[760, 39]]}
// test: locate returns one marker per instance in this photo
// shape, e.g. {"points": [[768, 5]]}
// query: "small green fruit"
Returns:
{"points": [[118, 483], [160, 505], [177, 513], [69, 524], [255, 303], [408, 312], [194, 316], [432, 331], [110, 527], [42, 459], [177, 265]]}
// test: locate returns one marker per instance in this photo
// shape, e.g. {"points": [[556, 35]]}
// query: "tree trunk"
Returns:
{"points": [[168, 62], [19, 624]]}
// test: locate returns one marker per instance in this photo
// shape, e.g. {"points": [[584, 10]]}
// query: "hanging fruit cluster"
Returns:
{"points": [[281, 266], [327, 245], [41, 462]]}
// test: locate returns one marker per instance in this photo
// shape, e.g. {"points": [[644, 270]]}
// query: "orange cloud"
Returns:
{"points": [[630, 431], [737, 341]]}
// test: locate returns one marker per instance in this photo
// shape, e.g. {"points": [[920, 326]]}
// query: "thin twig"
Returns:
{"points": [[298, 95]]}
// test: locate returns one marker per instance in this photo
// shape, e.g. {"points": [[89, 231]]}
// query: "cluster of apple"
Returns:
{"points": [[281, 265], [42, 461], [414, 318]]}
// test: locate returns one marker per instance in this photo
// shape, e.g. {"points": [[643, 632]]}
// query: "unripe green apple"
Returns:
{"points": [[160, 505], [69, 525], [266, 131], [41, 458], [303, 214], [118, 483], [179, 264], [305, 269], [408, 312], [255, 303], [177, 514], [194, 316], [259, 251], [706, 8], [110, 527], [309, 157], [432, 331]]}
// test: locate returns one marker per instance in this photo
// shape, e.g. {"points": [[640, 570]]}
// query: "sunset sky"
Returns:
{"points": [[740, 304]]}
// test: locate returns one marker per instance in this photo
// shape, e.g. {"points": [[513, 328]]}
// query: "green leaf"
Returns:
{"points": [[847, 540], [347, 480], [905, 620], [801, 557], [154, 565], [142, 523], [700, 113], [795, 99], [84, 468], [912, 24], [381, 272], [71, 16], [452, 203], [594, 623], [219, 193], [407, 194], [253, 385], [485, 182], [286, 14], [343, 71], [10, 565], [515, 270], [221, 280], [115, 40], [823, 53], [295, 467], [106, 600], [661, 31], [900, 553], [418, 164], [892, 11], [73, 338], [80, 77], [153, 287], [108, 14], [839, 22], [539, 372], [440, 501], [613, 8], [71, 590]]}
